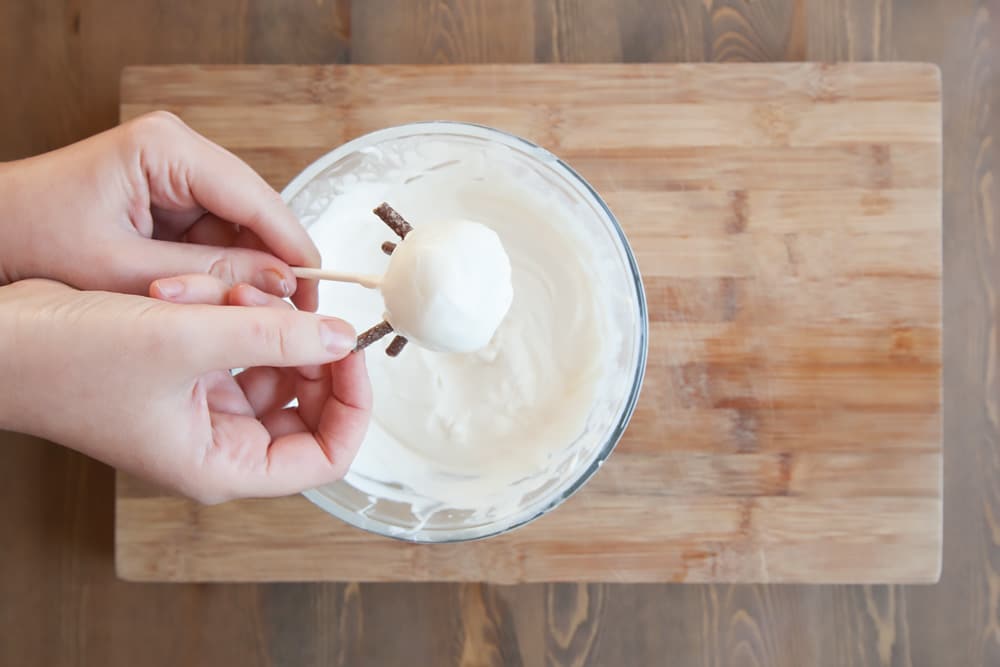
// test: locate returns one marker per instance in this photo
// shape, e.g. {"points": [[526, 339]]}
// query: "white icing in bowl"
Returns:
{"points": [[464, 446]]}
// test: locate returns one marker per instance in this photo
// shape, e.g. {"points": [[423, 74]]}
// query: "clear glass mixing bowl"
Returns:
{"points": [[311, 192]]}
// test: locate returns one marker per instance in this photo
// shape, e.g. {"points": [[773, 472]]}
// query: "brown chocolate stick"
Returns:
{"points": [[394, 220], [396, 346], [401, 227], [377, 332]]}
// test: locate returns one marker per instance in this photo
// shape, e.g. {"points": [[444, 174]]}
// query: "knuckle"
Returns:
{"points": [[166, 116], [151, 126], [224, 269], [161, 119]]}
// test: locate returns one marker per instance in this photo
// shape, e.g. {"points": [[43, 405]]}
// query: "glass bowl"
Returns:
{"points": [[385, 153]]}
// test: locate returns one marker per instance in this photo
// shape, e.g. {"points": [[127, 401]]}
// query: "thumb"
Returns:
{"points": [[225, 337], [151, 260]]}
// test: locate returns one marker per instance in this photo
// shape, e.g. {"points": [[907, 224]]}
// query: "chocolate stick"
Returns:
{"points": [[401, 227], [394, 220], [396, 346], [377, 332]]}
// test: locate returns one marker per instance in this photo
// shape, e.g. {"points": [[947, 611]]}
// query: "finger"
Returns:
{"points": [[284, 422], [247, 238], [306, 296], [205, 289], [223, 184], [193, 288], [209, 229], [267, 389], [312, 394], [212, 231], [170, 224], [240, 337], [150, 260], [235, 465], [247, 461], [248, 295], [351, 391], [223, 394], [297, 461]]}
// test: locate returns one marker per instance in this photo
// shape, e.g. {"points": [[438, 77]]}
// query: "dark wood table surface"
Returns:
{"points": [[60, 603]]}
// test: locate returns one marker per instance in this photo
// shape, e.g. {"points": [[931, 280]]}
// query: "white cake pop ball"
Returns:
{"points": [[448, 286]]}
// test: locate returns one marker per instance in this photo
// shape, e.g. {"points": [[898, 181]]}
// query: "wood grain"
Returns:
{"points": [[835, 319], [64, 59], [61, 605], [738, 31], [568, 31], [969, 35], [842, 30], [443, 31]]}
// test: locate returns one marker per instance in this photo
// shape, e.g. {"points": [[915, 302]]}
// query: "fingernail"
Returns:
{"points": [[338, 336], [169, 288], [273, 282]]}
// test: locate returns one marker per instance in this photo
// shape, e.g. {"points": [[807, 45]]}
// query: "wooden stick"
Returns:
{"points": [[363, 279]]}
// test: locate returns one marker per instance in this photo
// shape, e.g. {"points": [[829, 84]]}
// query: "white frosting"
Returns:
{"points": [[476, 435], [448, 286]]}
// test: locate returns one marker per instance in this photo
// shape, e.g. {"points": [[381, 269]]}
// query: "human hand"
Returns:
{"points": [[145, 386], [145, 200]]}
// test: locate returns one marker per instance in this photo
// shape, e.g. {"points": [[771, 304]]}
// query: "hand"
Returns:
{"points": [[144, 385], [146, 200]]}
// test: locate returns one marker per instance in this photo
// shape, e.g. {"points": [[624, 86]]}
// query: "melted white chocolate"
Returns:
{"points": [[474, 431]]}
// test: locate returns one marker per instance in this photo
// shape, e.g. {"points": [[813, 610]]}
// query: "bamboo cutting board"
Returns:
{"points": [[787, 221]]}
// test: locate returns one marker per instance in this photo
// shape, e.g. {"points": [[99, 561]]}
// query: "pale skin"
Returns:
{"points": [[136, 269]]}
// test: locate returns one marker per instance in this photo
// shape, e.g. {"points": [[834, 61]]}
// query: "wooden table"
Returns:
{"points": [[61, 603]]}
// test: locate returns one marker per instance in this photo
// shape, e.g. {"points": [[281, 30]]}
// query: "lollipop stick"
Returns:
{"points": [[363, 279]]}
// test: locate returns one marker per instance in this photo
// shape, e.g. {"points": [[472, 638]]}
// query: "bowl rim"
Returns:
{"points": [[421, 536]]}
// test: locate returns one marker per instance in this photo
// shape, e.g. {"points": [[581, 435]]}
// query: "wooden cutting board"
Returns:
{"points": [[787, 220]]}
